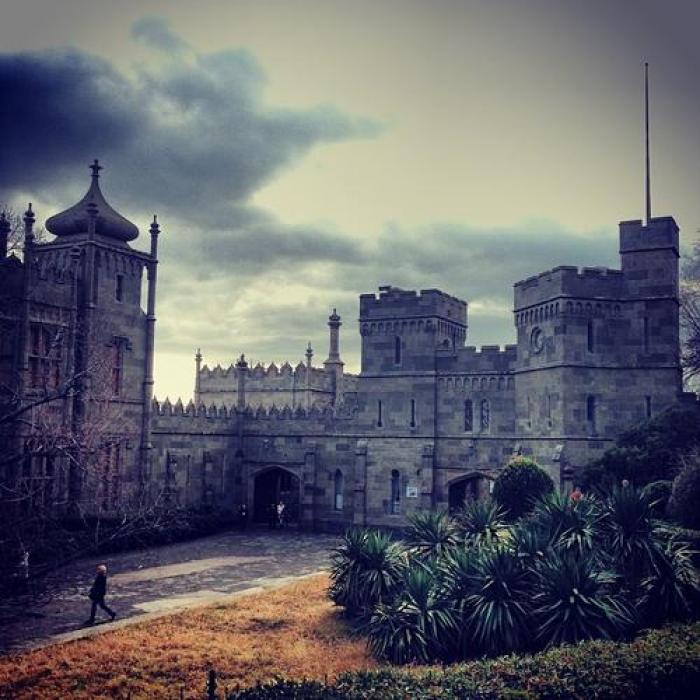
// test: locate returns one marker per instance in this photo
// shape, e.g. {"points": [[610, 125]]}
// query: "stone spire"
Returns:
{"points": [[198, 371], [334, 365], [241, 371]]}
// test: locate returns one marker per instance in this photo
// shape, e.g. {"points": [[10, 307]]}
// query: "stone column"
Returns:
{"points": [[334, 365], [241, 372], [427, 477], [307, 387], [308, 489], [198, 370]]}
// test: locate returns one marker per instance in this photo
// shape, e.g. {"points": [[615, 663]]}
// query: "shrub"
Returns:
{"points": [[660, 665], [481, 522], [685, 497], [519, 485], [651, 451], [658, 493], [430, 534], [366, 569]]}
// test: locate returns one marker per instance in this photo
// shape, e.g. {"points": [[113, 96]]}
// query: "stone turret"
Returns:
{"points": [[4, 234], [334, 365]]}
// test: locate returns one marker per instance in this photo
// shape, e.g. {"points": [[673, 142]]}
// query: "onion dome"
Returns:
{"points": [[108, 223]]}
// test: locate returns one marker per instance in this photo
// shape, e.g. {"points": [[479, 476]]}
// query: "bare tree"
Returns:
{"points": [[690, 316]]}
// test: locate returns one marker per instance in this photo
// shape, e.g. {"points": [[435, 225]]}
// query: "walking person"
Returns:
{"points": [[97, 595], [280, 514]]}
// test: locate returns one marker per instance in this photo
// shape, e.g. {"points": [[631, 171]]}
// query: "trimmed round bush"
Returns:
{"points": [[685, 496], [658, 493], [519, 485]]}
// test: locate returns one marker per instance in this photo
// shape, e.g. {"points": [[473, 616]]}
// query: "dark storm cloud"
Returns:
{"points": [[194, 134]]}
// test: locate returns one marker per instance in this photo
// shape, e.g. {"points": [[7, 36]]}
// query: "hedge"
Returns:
{"points": [[661, 664]]}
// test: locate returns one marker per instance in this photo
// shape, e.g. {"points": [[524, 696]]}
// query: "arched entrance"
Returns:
{"points": [[273, 486], [467, 488]]}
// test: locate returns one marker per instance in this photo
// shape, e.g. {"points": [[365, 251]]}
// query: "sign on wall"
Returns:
{"points": [[411, 492]]}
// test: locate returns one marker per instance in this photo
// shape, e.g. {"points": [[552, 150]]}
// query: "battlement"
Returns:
{"points": [[569, 281], [393, 302], [225, 414], [488, 358], [660, 233]]}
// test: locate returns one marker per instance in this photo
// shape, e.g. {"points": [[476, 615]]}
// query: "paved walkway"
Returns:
{"points": [[159, 580]]}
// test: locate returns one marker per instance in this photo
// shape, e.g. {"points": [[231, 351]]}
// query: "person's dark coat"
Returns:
{"points": [[99, 587]]}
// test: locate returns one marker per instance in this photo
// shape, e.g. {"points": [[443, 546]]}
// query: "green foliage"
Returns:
{"points": [[366, 569], [660, 665], [430, 534], [652, 451], [498, 604], [481, 522], [519, 485], [685, 497], [568, 524], [574, 600], [415, 627], [658, 493]]}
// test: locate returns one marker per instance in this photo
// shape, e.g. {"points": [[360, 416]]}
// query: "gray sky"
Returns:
{"points": [[300, 153]]}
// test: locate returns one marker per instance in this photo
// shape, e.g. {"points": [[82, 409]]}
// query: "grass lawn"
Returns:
{"points": [[293, 631]]}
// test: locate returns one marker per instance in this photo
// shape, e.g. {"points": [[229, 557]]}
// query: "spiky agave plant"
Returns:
{"points": [[417, 626], [568, 524], [631, 540], [672, 590], [574, 600], [481, 522], [498, 603], [430, 534], [365, 569]]}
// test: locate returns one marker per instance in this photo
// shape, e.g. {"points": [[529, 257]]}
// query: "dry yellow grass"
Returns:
{"points": [[292, 631]]}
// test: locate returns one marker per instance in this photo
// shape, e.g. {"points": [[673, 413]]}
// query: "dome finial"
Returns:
{"points": [[95, 167]]}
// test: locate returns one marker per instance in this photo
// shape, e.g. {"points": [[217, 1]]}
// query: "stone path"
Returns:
{"points": [[159, 580]]}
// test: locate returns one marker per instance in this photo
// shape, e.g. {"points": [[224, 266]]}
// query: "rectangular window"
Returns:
{"points": [[119, 290], [379, 414], [44, 356], [645, 332], [591, 336], [117, 366], [413, 413], [548, 409], [397, 350], [647, 406], [468, 416], [591, 412]]}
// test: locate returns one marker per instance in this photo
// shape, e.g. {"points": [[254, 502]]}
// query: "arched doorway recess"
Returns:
{"points": [[273, 486]]}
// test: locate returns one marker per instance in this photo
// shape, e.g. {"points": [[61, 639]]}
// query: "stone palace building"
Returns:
{"points": [[428, 422]]}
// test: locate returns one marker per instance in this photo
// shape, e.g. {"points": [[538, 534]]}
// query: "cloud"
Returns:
{"points": [[155, 33]]}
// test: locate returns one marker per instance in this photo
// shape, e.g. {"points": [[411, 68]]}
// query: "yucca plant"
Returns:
{"points": [[430, 534], [568, 524], [631, 539], [481, 522], [418, 626], [574, 600], [672, 590], [529, 541], [365, 570], [497, 606]]}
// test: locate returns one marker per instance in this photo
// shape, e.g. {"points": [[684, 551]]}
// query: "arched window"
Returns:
{"points": [[590, 335], [397, 350], [338, 490], [485, 415], [591, 412], [468, 416], [395, 492]]}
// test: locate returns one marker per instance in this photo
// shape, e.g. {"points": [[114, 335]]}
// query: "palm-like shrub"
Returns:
{"points": [[481, 522], [519, 485], [498, 604], [574, 600], [658, 493], [366, 568], [430, 534], [417, 626], [568, 524], [672, 590], [631, 541]]}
